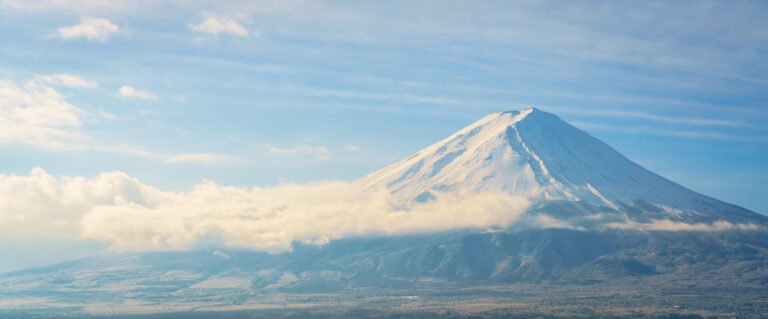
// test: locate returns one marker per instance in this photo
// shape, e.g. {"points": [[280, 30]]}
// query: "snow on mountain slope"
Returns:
{"points": [[537, 155]]}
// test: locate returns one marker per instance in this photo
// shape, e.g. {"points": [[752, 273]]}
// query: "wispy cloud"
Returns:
{"points": [[546, 221], [398, 97], [97, 29], [200, 158], [353, 148], [130, 150], [670, 225], [618, 33], [76, 6], [180, 158], [215, 26], [321, 152], [127, 91], [66, 80], [649, 130], [669, 119]]}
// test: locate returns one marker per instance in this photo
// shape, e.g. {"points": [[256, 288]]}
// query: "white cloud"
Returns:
{"points": [[546, 221], [216, 25], [98, 29], [66, 80], [38, 115], [670, 225], [40, 204], [353, 148], [273, 218], [131, 92], [321, 152], [200, 158], [131, 215]]}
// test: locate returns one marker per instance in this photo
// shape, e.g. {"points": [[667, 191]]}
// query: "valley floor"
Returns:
{"points": [[636, 299], [515, 274]]}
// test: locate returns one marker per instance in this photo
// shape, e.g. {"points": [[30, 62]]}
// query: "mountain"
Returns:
{"points": [[678, 253], [537, 155]]}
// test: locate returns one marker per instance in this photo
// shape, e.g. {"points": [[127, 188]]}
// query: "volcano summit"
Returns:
{"points": [[536, 155]]}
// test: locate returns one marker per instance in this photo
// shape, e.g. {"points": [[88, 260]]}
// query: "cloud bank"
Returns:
{"points": [[131, 215]]}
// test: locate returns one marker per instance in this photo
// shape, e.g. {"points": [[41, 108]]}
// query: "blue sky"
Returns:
{"points": [[259, 93]]}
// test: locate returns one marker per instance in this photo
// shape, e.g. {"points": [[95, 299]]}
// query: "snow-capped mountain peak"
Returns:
{"points": [[535, 154]]}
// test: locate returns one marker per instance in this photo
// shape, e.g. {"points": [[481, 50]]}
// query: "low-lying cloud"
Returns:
{"points": [[671, 225], [131, 215]]}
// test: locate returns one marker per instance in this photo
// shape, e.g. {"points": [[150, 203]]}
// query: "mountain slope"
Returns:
{"points": [[587, 268], [537, 155], [567, 174]]}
